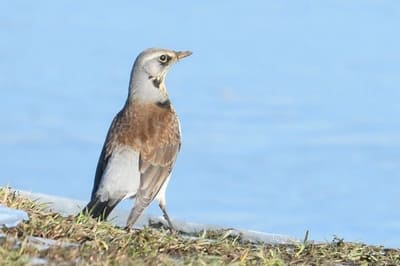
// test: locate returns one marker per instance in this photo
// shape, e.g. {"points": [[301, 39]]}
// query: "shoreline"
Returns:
{"points": [[67, 206]]}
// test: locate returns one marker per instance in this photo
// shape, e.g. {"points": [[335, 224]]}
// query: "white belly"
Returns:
{"points": [[121, 178]]}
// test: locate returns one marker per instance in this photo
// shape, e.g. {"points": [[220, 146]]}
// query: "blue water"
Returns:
{"points": [[289, 109]]}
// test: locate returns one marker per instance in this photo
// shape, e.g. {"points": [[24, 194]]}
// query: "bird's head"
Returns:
{"points": [[149, 72]]}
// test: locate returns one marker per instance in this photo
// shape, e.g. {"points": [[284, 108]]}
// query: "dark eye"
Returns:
{"points": [[164, 58]]}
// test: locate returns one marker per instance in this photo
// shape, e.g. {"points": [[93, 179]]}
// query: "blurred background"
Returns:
{"points": [[289, 109]]}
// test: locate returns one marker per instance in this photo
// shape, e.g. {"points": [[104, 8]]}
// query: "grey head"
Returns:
{"points": [[147, 83]]}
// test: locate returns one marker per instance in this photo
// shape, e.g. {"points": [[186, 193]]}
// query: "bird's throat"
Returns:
{"points": [[156, 81]]}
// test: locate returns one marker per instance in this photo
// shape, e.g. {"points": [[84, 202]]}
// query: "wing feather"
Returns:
{"points": [[155, 170], [104, 156], [155, 165]]}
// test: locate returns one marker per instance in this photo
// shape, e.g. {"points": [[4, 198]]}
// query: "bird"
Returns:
{"points": [[142, 142]]}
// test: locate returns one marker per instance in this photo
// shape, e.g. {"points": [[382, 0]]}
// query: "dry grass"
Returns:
{"points": [[101, 243]]}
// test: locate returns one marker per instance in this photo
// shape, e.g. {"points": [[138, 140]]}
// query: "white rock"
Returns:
{"points": [[11, 217]]}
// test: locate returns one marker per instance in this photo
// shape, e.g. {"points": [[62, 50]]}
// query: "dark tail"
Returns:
{"points": [[100, 209]]}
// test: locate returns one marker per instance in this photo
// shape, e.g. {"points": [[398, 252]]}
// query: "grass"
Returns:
{"points": [[101, 243]]}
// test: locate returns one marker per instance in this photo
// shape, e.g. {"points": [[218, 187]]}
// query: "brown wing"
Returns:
{"points": [[155, 169], [157, 157]]}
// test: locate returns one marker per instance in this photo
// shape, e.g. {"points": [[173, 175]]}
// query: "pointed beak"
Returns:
{"points": [[182, 54]]}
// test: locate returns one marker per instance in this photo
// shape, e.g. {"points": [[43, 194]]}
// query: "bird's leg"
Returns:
{"points": [[166, 217], [135, 214]]}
